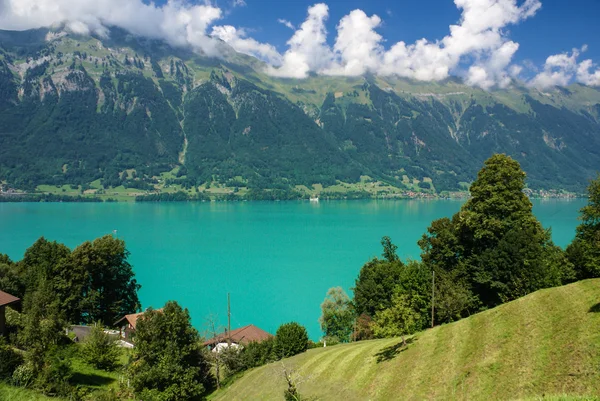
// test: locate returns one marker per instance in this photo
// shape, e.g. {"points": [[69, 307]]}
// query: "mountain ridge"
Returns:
{"points": [[78, 109]]}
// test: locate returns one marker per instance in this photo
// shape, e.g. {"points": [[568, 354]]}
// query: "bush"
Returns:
{"points": [[23, 375], [258, 354], [100, 351], [55, 374], [9, 360], [290, 339]]}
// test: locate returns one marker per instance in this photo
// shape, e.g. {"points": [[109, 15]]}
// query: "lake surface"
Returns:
{"points": [[277, 259]]}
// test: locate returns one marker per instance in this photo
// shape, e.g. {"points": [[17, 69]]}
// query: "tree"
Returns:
{"points": [[52, 262], [400, 319], [389, 250], [290, 339], [494, 246], [10, 279], [43, 324], [376, 281], [337, 316], [168, 361], [110, 288], [42, 338], [584, 251], [100, 350], [415, 283]]}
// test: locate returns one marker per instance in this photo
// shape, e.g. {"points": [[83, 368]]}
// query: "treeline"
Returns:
{"points": [[94, 283], [492, 251], [49, 198]]}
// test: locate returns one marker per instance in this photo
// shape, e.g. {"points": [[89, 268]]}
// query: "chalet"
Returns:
{"points": [[241, 336], [128, 323], [6, 300]]}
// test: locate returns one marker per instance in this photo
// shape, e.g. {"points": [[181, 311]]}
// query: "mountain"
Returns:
{"points": [[123, 110], [542, 346]]}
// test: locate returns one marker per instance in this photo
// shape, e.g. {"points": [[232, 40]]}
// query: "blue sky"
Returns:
{"points": [[558, 26], [489, 43]]}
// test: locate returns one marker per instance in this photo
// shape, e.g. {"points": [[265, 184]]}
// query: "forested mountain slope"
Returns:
{"points": [[77, 109]]}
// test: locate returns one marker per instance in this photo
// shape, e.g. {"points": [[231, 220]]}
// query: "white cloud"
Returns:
{"points": [[561, 69], [286, 23], [238, 39], [359, 48], [239, 3], [585, 76], [177, 22], [308, 50]]}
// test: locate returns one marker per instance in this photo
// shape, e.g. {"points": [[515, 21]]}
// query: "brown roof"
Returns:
{"points": [[7, 299], [133, 318], [243, 335]]}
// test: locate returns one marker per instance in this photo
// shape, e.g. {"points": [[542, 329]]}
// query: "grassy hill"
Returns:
{"points": [[545, 345]]}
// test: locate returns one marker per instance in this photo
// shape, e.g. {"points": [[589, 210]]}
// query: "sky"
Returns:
{"points": [[488, 43]]}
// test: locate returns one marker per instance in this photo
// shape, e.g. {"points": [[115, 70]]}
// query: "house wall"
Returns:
{"points": [[2, 321]]}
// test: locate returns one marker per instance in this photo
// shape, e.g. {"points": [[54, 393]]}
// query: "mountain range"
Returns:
{"points": [[125, 110]]}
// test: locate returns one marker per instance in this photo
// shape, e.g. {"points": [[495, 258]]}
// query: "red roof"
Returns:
{"points": [[243, 335], [7, 299], [133, 318]]}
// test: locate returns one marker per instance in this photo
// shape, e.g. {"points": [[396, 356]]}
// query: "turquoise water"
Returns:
{"points": [[277, 259]]}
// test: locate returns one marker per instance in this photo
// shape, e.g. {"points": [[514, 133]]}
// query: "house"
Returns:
{"points": [[241, 336], [6, 300], [128, 323]]}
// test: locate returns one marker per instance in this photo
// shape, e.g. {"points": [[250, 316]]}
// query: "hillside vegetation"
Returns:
{"points": [[104, 115], [544, 344]]}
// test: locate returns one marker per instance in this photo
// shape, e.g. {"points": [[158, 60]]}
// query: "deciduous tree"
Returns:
{"points": [[168, 360], [290, 339], [376, 281], [110, 288], [584, 251], [337, 315]]}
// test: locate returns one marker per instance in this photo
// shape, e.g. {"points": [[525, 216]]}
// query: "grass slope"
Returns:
{"points": [[546, 344]]}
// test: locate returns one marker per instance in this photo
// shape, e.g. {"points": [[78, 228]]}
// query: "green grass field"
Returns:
{"points": [[543, 346]]}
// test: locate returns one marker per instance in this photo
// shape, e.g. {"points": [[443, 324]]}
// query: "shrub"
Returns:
{"points": [[56, 371], [290, 339], [257, 354], [23, 375], [99, 350], [9, 360]]}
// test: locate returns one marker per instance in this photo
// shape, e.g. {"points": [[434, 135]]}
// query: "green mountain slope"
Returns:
{"points": [[78, 109], [546, 343]]}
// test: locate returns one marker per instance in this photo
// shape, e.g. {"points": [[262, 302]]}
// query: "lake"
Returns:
{"points": [[276, 259]]}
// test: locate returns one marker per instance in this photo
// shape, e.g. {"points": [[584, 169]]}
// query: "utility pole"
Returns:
{"points": [[228, 318], [432, 296]]}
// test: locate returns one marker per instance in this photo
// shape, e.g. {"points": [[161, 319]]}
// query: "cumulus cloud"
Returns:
{"points": [[238, 39], [560, 69], [177, 22], [359, 48], [239, 3], [308, 50], [286, 23], [585, 76]]}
